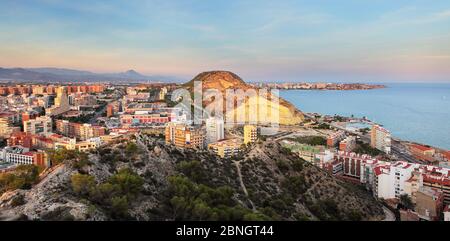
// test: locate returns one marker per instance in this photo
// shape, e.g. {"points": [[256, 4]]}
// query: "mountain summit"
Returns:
{"points": [[223, 80], [220, 80]]}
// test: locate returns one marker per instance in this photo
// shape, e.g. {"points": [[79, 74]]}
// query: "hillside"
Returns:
{"points": [[165, 183], [62, 75], [225, 80]]}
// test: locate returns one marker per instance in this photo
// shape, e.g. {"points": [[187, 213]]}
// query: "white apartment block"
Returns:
{"points": [[16, 155], [214, 129], [40, 125]]}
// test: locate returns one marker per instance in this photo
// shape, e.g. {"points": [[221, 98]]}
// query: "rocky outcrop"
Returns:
{"points": [[277, 183], [48, 200], [277, 111]]}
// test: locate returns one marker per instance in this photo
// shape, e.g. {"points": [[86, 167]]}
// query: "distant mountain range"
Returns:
{"points": [[60, 74]]}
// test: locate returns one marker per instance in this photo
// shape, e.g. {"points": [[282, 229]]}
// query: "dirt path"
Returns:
{"points": [[238, 168]]}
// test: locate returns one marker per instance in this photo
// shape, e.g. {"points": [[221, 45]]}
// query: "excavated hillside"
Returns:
{"points": [[225, 80], [265, 183]]}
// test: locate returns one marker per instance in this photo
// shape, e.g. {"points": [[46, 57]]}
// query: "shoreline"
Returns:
{"points": [[402, 145], [319, 86], [353, 120]]}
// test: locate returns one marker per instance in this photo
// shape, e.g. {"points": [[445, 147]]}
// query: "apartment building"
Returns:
{"points": [[250, 134], [429, 203], [40, 125], [348, 144], [335, 138], [380, 139], [184, 136], [79, 130], [214, 129], [226, 148], [22, 156]]}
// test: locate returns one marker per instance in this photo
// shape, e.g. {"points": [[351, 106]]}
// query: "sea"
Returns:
{"points": [[418, 112]]}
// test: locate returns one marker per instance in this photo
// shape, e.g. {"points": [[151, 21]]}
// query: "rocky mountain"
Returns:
{"points": [[225, 80], [61, 74], [265, 183]]}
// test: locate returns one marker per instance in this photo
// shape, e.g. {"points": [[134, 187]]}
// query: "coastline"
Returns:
{"points": [[416, 113], [319, 86]]}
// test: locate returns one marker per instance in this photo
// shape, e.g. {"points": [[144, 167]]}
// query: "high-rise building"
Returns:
{"points": [[162, 93], [380, 139], [184, 136], [40, 125], [61, 102], [250, 134], [214, 129], [6, 127], [109, 110]]}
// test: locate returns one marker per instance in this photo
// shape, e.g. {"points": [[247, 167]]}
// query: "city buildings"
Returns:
{"points": [[80, 131], [335, 138], [110, 110], [348, 144], [141, 118], [413, 184], [61, 103], [40, 125], [73, 144], [6, 126], [438, 180], [29, 115], [214, 129], [184, 136], [162, 93], [23, 156], [250, 133], [380, 139], [429, 203], [421, 152], [226, 148]]}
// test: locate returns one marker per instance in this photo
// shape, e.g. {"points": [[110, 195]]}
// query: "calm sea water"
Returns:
{"points": [[415, 112]]}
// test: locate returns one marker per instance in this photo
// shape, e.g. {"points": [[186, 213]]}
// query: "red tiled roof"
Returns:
{"points": [[442, 180], [447, 155], [422, 148]]}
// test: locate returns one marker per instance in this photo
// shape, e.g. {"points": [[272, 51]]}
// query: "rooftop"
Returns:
{"points": [[422, 148]]}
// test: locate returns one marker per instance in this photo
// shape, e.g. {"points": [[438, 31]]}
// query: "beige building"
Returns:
{"points": [[429, 203], [226, 148], [72, 144], [6, 127], [61, 102], [40, 125], [250, 133], [413, 184], [184, 136], [380, 139]]}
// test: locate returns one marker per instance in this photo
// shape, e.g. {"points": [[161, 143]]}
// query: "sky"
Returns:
{"points": [[260, 40]]}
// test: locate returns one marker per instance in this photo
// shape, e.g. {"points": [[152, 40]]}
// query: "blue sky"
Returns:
{"points": [[346, 40]]}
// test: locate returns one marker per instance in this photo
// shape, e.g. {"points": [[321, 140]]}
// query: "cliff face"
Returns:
{"points": [[280, 111]]}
